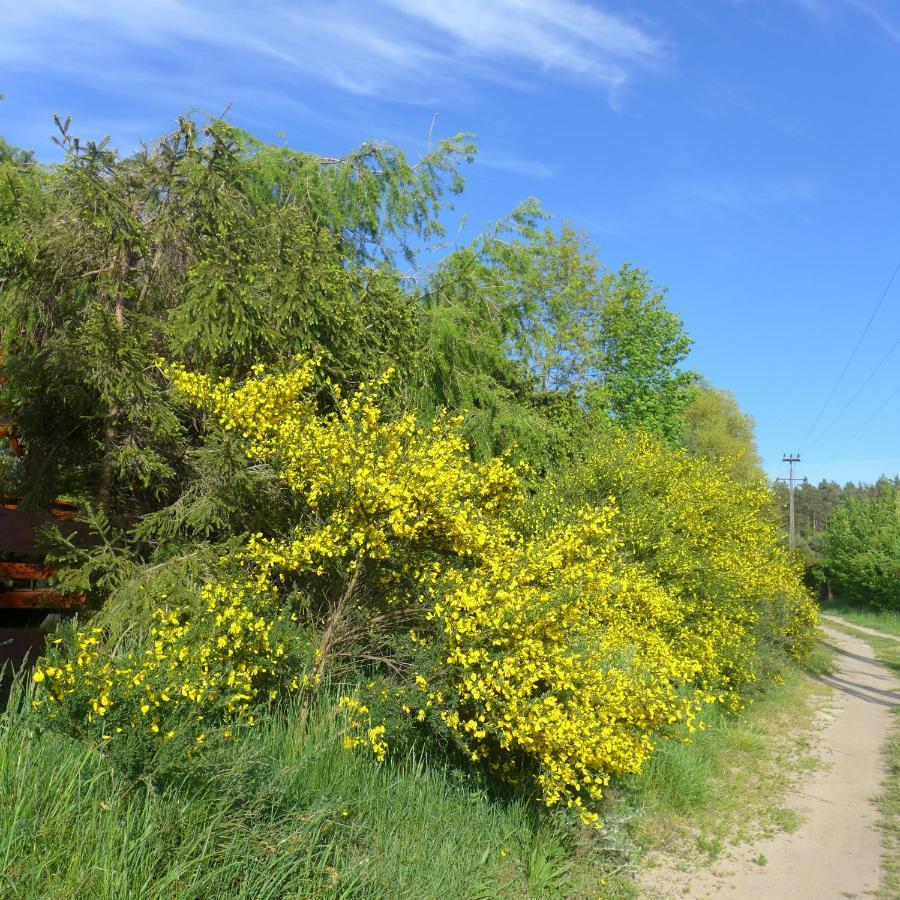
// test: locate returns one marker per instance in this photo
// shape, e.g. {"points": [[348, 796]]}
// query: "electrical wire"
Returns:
{"points": [[859, 390], [840, 377], [871, 418]]}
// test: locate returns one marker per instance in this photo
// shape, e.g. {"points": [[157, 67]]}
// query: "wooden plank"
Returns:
{"points": [[31, 596], [18, 529], [45, 601], [18, 571]]}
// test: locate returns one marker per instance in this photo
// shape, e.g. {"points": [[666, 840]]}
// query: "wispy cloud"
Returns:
{"points": [[728, 98], [873, 10], [514, 165], [410, 51], [569, 37], [819, 8], [759, 198], [881, 19]]}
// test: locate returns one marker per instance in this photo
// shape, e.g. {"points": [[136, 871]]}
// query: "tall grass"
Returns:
{"points": [[283, 816]]}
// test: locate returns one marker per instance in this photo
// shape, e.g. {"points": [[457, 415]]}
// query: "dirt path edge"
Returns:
{"points": [[836, 852]]}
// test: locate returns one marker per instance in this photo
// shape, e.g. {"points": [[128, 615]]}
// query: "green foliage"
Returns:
{"points": [[16, 156], [465, 364], [717, 430], [212, 248], [578, 328], [207, 246], [861, 551], [219, 253], [20, 197], [552, 286], [815, 504], [541, 346], [641, 385]]}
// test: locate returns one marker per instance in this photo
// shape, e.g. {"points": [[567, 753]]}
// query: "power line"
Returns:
{"points": [[840, 377], [859, 390], [861, 427]]}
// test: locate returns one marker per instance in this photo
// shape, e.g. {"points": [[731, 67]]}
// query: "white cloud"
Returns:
{"points": [[873, 10], [402, 50], [569, 37], [760, 198], [515, 165]]}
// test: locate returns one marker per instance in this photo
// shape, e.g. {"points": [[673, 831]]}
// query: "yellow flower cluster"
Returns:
{"points": [[714, 545], [560, 649], [557, 658], [223, 655], [373, 483], [364, 733]]}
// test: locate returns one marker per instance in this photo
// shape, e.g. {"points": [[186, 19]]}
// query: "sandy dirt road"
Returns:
{"points": [[836, 852], [860, 628]]}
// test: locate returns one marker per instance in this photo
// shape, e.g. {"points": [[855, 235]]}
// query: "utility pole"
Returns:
{"points": [[791, 480]]}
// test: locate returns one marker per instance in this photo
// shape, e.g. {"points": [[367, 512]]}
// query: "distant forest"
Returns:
{"points": [[849, 537], [814, 504]]}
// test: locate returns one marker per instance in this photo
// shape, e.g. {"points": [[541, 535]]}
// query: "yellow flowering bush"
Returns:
{"points": [[367, 483], [200, 669], [713, 543], [372, 497], [554, 661], [552, 639]]}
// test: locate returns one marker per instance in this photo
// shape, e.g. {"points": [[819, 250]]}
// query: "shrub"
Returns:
{"points": [[712, 542], [373, 499], [861, 553], [551, 641], [552, 660], [200, 671]]}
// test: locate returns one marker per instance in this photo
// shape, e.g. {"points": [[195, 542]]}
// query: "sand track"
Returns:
{"points": [[836, 852], [861, 628]]}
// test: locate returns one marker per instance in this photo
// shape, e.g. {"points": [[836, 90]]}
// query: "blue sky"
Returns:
{"points": [[745, 152]]}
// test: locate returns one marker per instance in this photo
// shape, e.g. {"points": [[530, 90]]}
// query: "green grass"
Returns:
{"points": [[285, 817], [888, 653], [886, 621]]}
